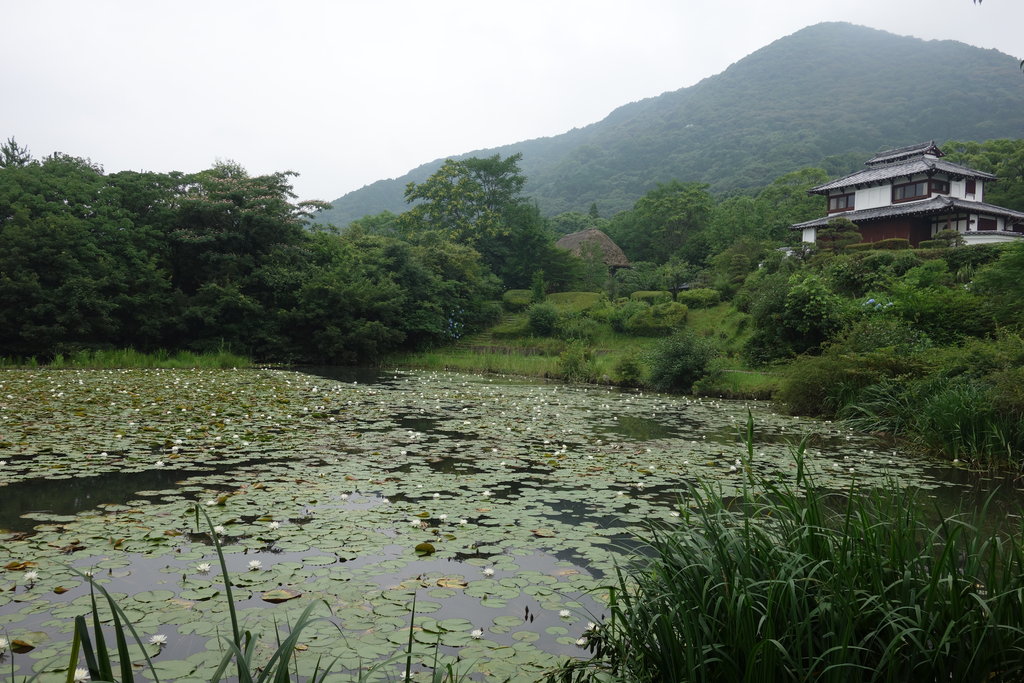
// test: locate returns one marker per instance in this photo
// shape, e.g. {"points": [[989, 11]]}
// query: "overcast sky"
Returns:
{"points": [[346, 92]]}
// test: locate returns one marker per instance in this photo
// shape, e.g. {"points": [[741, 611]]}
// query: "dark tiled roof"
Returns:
{"points": [[935, 205], [902, 153], [881, 174]]}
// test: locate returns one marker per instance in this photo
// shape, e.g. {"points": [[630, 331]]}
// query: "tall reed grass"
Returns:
{"points": [[956, 418], [791, 583]]}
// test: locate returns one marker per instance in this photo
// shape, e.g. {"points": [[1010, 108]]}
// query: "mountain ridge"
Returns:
{"points": [[828, 95]]}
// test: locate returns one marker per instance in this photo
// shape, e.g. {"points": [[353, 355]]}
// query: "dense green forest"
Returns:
{"points": [[828, 96], [210, 260]]}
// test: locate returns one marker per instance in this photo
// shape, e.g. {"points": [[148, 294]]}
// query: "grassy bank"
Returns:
{"points": [[589, 340], [130, 358]]}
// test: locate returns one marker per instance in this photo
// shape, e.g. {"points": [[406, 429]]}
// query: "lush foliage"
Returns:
{"points": [[478, 203], [679, 361], [924, 345]]}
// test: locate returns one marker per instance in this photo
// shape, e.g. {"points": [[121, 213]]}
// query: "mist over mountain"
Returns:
{"points": [[829, 95]]}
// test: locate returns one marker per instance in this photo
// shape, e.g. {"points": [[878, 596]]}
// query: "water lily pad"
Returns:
{"points": [[154, 596], [280, 595]]}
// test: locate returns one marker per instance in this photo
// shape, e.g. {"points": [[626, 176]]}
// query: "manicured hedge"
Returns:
{"points": [[651, 297], [699, 298]]}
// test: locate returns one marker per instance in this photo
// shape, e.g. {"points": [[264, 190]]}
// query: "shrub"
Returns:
{"points": [[629, 370], [877, 332], [826, 385], [543, 319], [944, 314], [621, 313], [860, 246], [576, 302], [659, 319], [699, 298], [515, 300], [949, 238], [651, 297], [679, 361], [577, 364], [893, 243]]}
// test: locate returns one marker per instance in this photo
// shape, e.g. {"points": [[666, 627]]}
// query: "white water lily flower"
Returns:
{"points": [[564, 613], [477, 633], [442, 517], [159, 463], [158, 639], [31, 576], [274, 526], [591, 626], [3, 643], [488, 571], [463, 521], [203, 567], [487, 494], [344, 496], [81, 675], [255, 565], [211, 503], [220, 529], [582, 642]]}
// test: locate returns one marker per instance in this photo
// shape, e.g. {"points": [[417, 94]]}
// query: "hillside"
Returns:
{"points": [[834, 92]]}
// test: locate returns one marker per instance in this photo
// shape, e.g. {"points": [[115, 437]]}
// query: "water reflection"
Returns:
{"points": [[76, 495]]}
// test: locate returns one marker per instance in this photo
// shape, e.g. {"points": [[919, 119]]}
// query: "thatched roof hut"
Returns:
{"points": [[577, 243]]}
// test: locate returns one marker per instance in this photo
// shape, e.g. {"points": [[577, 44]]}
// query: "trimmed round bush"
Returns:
{"points": [[699, 298], [651, 297], [658, 320]]}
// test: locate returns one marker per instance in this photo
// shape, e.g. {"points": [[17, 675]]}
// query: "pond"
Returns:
{"points": [[528, 492]]}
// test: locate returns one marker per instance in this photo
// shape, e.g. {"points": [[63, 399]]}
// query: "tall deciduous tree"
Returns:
{"points": [[477, 203], [666, 222]]}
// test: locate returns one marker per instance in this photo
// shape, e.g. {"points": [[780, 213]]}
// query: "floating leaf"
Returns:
{"points": [[19, 566], [425, 548], [280, 595], [21, 646]]}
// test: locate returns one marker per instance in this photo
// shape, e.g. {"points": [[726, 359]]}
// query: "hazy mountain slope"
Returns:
{"points": [[830, 94]]}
